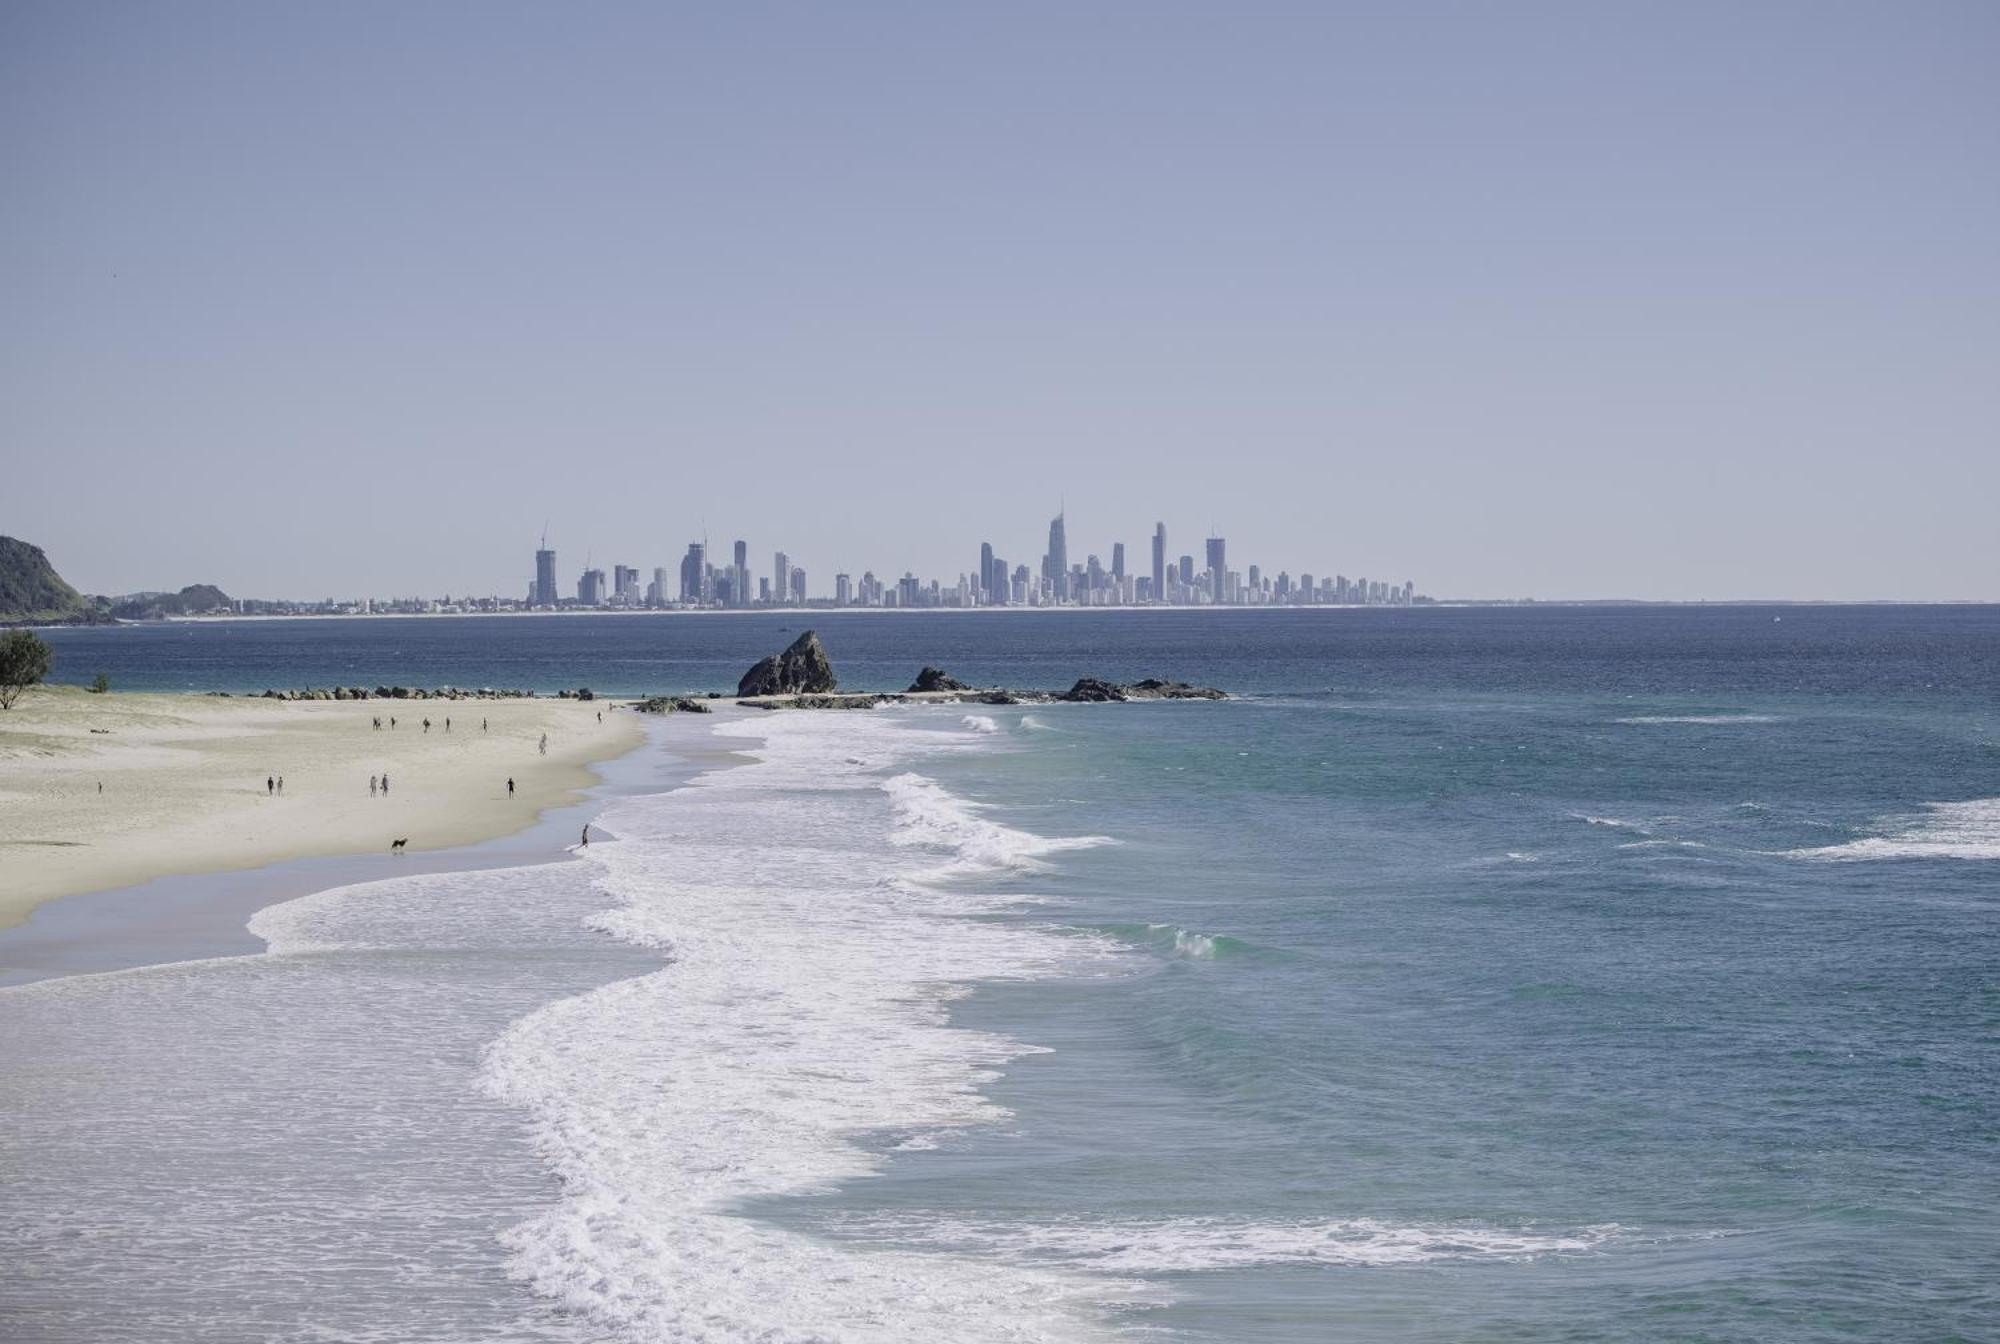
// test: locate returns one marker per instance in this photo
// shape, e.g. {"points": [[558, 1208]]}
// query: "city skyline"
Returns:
{"points": [[992, 581]]}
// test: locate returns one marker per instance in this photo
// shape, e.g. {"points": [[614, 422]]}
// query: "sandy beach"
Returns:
{"points": [[102, 791]]}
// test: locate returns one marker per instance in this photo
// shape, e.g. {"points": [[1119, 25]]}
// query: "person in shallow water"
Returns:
{"points": [[586, 836]]}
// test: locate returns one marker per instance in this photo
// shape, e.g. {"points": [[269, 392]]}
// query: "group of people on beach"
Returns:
{"points": [[378, 785]]}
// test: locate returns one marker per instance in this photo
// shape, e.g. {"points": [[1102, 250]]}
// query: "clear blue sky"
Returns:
{"points": [[1662, 300]]}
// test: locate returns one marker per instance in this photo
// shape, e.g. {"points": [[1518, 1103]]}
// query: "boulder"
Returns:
{"points": [[936, 679], [803, 668], [1155, 689], [1089, 690]]}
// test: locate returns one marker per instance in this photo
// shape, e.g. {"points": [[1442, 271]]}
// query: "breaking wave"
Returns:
{"points": [[1963, 830]]}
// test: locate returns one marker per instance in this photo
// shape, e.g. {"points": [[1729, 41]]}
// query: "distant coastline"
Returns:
{"points": [[1444, 604]]}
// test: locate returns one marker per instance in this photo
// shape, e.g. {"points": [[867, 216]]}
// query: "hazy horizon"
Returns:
{"points": [[1669, 303]]}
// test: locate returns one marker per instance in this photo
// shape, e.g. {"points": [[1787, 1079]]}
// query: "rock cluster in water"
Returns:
{"points": [[802, 669], [936, 679], [671, 704], [403, 693]]}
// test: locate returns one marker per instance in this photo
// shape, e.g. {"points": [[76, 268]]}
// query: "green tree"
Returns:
{"points": [[24, 660], [100, 684]]}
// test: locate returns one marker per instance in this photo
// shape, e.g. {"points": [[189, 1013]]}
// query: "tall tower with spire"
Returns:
{"points": [[1055, 564]]}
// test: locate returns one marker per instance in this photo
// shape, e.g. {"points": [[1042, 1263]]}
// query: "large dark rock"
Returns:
{"points": [[1089, 690], [1152, 688], [803, 668], [937, 679]]}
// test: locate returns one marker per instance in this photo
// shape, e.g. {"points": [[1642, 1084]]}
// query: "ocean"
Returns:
{"points": [[1527, 974]]}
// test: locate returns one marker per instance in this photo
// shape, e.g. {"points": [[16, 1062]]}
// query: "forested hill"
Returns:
{"points": [[32, 593]]}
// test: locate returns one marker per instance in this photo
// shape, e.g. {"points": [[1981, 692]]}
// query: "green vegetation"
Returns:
{"points": [[100, 684], [32, 593], [24, 661]]}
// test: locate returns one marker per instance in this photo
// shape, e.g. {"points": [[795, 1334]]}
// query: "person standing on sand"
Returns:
{"points": [[270, 785], [385, 785], [371, 786], [427, 725], [510, 786], [392, 720], [447, 723], [482, 725], [545, 744]]}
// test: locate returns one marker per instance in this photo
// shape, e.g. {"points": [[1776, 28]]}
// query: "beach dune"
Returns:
{"points": [[103, 791]]}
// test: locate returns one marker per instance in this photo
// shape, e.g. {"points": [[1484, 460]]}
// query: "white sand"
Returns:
{"points": [[183, 780]]}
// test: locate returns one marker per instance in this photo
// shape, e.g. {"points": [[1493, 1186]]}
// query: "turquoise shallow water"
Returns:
{"points": [[1711, 995], [1581, 975]]}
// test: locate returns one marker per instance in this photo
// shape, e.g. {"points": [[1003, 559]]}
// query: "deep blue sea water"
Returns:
{"points": [[1528, 974]]}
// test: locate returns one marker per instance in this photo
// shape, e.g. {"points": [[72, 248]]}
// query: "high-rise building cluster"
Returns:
{"points": [[1055, 582]]}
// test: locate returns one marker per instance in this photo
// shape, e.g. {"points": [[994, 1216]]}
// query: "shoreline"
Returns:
{"points": [[179, 917], [105, 792], [1436, 604]]}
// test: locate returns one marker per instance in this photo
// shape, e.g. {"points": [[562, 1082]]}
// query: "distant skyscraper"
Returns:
{"points": [[590, 588], [1117, 559], [625, 583], [1187, 571], [740, 584], [986, 585], [843, 590], [1159, 562], [694, 567], [545, 578], [1055, 565], [798, 577], [1218, 570], [781, 576]]}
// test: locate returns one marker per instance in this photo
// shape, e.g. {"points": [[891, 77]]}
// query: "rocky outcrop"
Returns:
{"points": [[395, 693], [1152, 688], [671, 704], [863, 700], [1090, 690], [802, 669], [936, 679]]}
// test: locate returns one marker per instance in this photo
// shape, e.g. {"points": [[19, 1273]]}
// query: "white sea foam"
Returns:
{"points": [[980, 723], [1962, 830], [1699, 718], [1184, 942], [802, 1012], [935, 818], [1191, 1245]]}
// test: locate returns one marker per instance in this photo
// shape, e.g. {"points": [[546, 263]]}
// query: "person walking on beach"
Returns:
{"points": [[270, 785], [482, 725], [427, 725], [545, 744], [281, 786], [510, 786], [447, 723], [371, 786], [385, 785]]}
